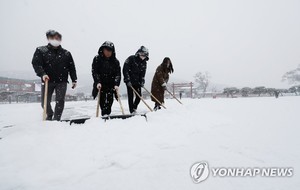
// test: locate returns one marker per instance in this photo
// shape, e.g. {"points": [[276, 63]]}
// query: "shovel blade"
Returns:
{"points": [[76, 121], [123, 116]]}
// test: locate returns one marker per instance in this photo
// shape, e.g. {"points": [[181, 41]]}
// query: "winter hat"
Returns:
{"points": [[143, 51]]}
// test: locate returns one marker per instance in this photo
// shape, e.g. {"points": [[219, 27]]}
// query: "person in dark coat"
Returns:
{"points": [[106, 73], [54, 64], [160, 80], [276, 93], [134, 71]]}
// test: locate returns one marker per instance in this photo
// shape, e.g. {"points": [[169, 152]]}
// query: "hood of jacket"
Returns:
{"points": [[105, 45]]}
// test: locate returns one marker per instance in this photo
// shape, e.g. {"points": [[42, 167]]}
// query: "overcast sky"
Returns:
{"points": [[241, 43]]}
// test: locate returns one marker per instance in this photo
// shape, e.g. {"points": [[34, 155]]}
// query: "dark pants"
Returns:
{"points": [[106, 100], [133, 104], [60, 92]]}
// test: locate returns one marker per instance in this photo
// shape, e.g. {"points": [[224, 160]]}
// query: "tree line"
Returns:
{"points": [[203, 80]]}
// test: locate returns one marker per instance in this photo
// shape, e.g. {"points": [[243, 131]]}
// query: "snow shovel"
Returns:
{"points": [[76, 120], [173, 96], [83, 119], [120, 103], [154, 98], [45, 100], [136, 93], [123, 116], [98, 104]]}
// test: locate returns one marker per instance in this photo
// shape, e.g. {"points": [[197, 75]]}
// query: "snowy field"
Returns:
{"points": [[158, 154]]}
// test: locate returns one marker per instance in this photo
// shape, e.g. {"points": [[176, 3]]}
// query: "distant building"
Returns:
{"points": [[18, 85], [19, 90]]}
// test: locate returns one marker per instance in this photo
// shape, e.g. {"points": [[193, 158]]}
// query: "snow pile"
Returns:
{"points": [[158, 154]]}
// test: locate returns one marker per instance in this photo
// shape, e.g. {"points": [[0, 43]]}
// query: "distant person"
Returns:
{"points": [[276, 93], [134, 71], [106, 73], [54, 64], [9, 99], [160, 80], [180, 95]]}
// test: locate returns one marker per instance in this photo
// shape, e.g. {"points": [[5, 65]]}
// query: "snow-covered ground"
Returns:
{"points": [[158, 154]]}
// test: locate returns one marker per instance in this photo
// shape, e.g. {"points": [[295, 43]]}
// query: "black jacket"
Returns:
{"points": [[105, 71], [134, 70], [57, 63]]}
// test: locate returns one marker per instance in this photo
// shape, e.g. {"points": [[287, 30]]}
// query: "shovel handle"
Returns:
{"points": [[119, 100], [154, 98], [45, 100], [173, 96], [98, 104], [136, 93]]}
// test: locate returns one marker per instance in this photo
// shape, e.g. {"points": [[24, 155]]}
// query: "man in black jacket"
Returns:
{"points": [[54, 64], [106, 73], [134, 71]]}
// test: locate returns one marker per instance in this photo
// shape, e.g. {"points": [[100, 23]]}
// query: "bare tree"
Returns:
{"points": [[271, 91], [293, 77], [295, 89], [202, 81], [245, 91], [231, 91], [259, 90]]}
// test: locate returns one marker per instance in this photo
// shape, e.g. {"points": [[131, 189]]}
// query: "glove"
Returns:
{"points": [[116, 88], [74, 84], [99, 86], [129, 84], [164, 85], [45, 77]]}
